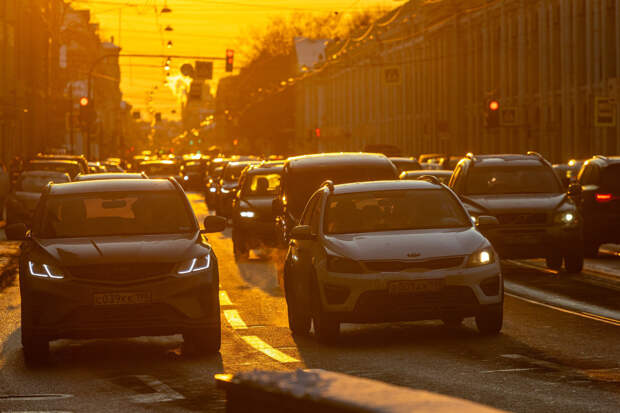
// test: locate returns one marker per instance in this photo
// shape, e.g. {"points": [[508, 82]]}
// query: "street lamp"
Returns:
{"points": [[165, 9], [169, 45], [168, 28]]}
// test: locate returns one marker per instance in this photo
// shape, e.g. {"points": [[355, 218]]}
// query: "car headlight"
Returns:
{"points": [[44, 271], [186, 178], [225, 191], [195, 265], [343, 265], [247, 214], [484, 256], [566, 218], [212, 189]]}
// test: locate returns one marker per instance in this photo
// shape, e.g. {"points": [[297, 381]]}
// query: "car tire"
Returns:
{"points": [[203, 341], [299, 321], [326, 326], [489, 321], [590, 249], [240, 247], [574, 262], [452, 321], [36, 350], [554, 262]]}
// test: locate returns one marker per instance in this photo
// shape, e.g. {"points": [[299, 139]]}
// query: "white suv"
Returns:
{"points": [[390, 251]]}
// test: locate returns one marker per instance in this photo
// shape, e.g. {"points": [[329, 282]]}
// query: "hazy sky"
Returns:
{"points": [[200, 28]]}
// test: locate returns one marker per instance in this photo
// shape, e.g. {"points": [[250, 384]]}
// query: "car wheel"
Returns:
{"points": [[326, 326], [591, 249], [203, 341], [240, 247], [489, 321], [36, 350], [452, 321], [574, 263], [554, 262], [299, 321]]}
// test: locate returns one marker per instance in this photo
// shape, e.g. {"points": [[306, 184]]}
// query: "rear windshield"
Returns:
{"points": [[406, 164], [512, 180], [115, 213], [393, 211], [610, 178], [257, 185], [233, 172], [300, 185], [71, 169], [159, 169], [36, 183]]}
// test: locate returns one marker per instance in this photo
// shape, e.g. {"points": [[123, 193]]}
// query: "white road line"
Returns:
{"points": [[33, 397], [234, 319], [164, 393], [269, 351], [224, 298], [508, 370]]}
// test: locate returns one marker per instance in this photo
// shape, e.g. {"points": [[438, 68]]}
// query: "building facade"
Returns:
{"points": [[422, 76]]}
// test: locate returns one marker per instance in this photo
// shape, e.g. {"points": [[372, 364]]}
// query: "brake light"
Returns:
{"points": [[603, 197]]}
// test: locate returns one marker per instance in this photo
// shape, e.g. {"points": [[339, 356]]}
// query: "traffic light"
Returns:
{"points": [[87, 111], [492, 114], [230, 57]]}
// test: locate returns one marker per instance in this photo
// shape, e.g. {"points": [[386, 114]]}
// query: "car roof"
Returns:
{"points": [[112, 185], [44, 173], [383, 186], [53, 161], [432, 172], [609, 160], [402, 159], [505, 159], [109, 175], [264, 169], [159, 161], [336, 159]]}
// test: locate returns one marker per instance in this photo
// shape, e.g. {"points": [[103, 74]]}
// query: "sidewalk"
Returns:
{"points": [[9, 256]]}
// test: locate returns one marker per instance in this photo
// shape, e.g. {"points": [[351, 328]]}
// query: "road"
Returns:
{"points": [[546, 359]]}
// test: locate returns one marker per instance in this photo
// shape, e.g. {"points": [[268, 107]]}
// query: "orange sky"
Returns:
{"points": [[201, 27]]}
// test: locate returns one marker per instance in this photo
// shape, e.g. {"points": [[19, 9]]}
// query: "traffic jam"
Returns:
{"points": [[293, 206]]}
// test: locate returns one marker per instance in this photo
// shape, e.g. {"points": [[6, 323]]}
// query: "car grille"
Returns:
{"points": [[522, 219], [428, 265], [123, 272], [449, 299]]}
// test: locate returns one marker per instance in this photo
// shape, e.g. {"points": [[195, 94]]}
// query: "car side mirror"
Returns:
{"points": [[485, 221], [302, 233], [16, 232], [574, 190], [214, 224], [277, 208]]}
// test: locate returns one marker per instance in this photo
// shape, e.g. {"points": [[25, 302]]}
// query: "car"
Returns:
{"points": [[406, 164], [113, 165], [96, 168], [538, 218], [227, 186], [599, 182], [23, 199], [72, 168], [253, 223], [568, 172], [302, 175], [442, 175], [161, 169], [212, 177], [80, 159], [117, 258], [110, 175], [193, 172], [390, 251]]}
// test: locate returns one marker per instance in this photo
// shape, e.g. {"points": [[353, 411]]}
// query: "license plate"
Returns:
{"points": [[121, 298], [415, 286]]}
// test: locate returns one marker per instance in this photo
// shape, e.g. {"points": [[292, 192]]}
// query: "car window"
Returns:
{"points": [[512, 180], [394, 210], [36, 183], [610, 178], [584, 174], [115, 213], [315, 221], [455, 176], [263, 184], [307, 216], [159, 169]]}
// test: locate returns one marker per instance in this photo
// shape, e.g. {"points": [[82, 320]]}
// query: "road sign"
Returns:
{"points": [[392, 75], [204, 70], [187, 70], [605, 112]]}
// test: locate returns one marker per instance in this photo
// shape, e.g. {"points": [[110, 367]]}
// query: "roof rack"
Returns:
{"points": [[329, 184], [430, 178], [603, 157]]}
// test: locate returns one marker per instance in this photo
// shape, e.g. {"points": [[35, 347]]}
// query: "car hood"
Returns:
{"points": [[28, 199], [407, 245], [497, 204], [122, 249], [259, 203]]}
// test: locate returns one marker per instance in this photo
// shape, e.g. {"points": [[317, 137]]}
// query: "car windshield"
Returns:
{"points": [[610, 178], [233, 172], [193, 167], [259, 185], [393, 211], [302, 184], [36, 183], [159, 169], [512, 180], [115, 213]]}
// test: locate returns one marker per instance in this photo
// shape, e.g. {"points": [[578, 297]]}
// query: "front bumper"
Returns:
{"points": [[368, 299], [66, 308], [513, 242]]}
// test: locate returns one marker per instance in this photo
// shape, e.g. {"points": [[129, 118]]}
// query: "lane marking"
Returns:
{"points": [[235, 320], [533, 266], [33, 397], [269, 351], [224, 298], [164, 393], [509, 370], [605, 320]]}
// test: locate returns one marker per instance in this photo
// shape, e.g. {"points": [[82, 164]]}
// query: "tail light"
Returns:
{"points": [[602, 198]]}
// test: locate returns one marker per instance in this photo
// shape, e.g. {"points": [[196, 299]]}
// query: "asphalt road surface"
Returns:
{"points": [[548, 358]]}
